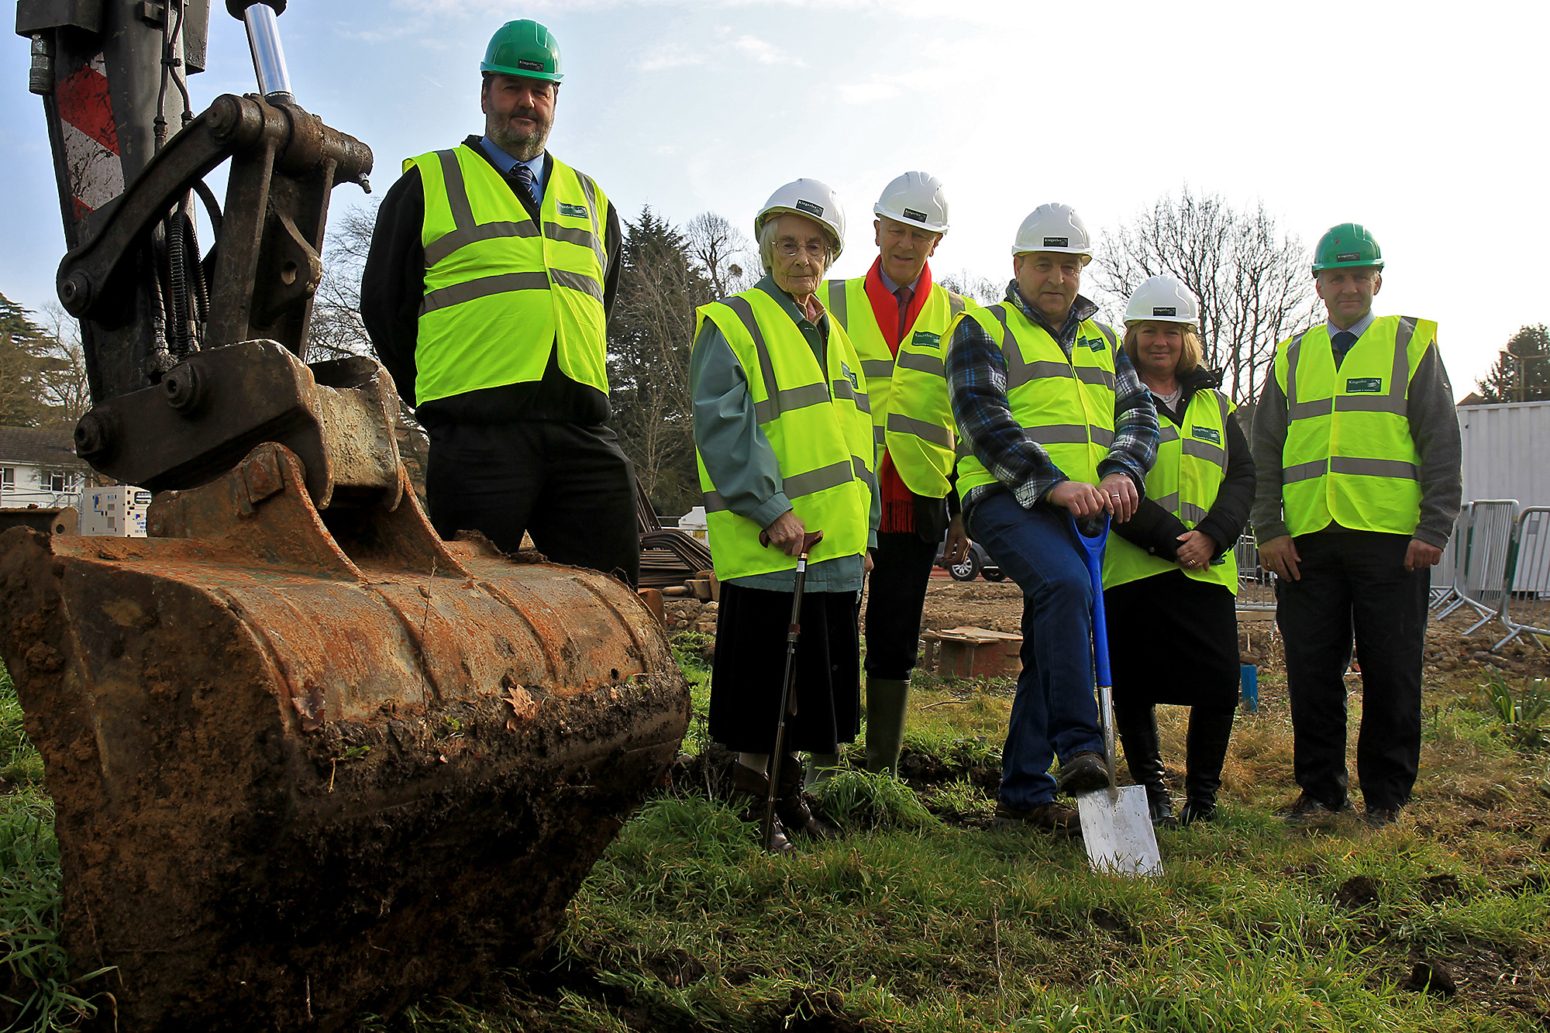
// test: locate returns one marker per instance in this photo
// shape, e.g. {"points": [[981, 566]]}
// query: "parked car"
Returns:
{"points": [[977, 563]]}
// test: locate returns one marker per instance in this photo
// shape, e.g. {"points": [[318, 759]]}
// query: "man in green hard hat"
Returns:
{"points": [[1357, 452], [492, 270]]}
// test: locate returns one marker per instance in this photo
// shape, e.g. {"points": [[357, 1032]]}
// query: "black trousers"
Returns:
{"points": [[566, 484], [895, 598], [1355, 581]]}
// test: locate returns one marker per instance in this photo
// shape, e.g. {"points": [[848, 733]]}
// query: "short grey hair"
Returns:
{"points": [[767, 243]]}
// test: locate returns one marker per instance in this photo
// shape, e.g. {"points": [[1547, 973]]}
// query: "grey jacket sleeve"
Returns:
{"points": [[1269, 442], [1434, 426], [737, 455]]}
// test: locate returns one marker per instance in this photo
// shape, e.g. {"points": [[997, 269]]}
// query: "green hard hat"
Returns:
{"points": [[1348, 244], [523, 48]]}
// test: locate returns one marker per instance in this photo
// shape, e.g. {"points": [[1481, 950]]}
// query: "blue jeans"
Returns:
{"points": [[1054, 712]]}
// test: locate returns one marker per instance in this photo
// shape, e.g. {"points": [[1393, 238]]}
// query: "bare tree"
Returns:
{"points": [[65, 386], [726, 258], [982, 289], [1252, 279], [337, 329]]}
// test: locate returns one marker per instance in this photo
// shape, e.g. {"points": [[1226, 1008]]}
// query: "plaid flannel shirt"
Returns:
{"points": [[976, 383]]}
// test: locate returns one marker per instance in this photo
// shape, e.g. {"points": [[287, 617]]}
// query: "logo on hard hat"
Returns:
{"points": [[1057, 241], [1349, 256], [527, 64], [810, 208], [1165, 310], [910, 213]]}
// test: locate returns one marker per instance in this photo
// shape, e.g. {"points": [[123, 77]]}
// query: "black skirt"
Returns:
{"points": [[1173, 640], [750, 663]]}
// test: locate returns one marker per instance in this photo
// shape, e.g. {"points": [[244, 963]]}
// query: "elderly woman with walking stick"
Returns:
{"points": [[1169, 574], [783, 436]]}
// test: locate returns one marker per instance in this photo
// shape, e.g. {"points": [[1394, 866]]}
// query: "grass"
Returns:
{"points": [[923, 916]]}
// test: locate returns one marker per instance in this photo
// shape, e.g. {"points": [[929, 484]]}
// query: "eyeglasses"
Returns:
{"points": [[791, 249]]}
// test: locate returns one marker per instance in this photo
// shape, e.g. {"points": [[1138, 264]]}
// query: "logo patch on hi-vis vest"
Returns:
{"points": [[575, 211], [926, 339], [1364, 385], [850, 376], [809, 207], [1057, 241], [1096, 344], [1210, 434], [910, 213]]}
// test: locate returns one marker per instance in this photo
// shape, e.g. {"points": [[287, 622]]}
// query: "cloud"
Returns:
{"points": [[677, 56], [867, 93], [764, 52]]}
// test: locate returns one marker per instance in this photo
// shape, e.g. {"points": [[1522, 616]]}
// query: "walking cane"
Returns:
{"points": [[788, 701]]}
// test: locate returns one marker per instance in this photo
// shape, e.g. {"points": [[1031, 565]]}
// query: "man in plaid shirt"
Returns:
{"points": [[1054, 424]]}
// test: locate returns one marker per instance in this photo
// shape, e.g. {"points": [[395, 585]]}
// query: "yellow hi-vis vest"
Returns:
{"points": [[1191, 463], [1349, 457], [912, 418], [816, 420], [499, 291], [1066, 405]]}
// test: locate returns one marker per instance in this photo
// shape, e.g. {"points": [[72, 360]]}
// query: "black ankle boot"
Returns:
{"points": [[1206, 750], [791, 805], [1137, 727], [753, 787]]}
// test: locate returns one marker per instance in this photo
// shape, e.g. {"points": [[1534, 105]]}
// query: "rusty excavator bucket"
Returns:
{"points": [[306, 763]]}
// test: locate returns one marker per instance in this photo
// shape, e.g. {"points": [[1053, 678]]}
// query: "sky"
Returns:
{"points": [[1418, 120]]}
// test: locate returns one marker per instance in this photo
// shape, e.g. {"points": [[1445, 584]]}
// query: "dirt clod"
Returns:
{"points": [[1359, 891]]}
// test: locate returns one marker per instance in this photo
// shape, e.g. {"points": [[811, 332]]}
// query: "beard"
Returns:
{"points": [[524, 145]]}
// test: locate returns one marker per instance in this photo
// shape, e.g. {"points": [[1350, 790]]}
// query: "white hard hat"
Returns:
{"points": [[1053, 227], [812, 198], [1164, 299], [915, 199]]}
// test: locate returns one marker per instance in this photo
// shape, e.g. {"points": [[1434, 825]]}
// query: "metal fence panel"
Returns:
{"points": [[1256, 585], [1526, 608], [1492, 522]]}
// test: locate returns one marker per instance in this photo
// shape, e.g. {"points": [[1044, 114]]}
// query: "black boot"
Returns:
{"points": [[1206, 748], [791, 805], [1137, 727], [753, 788]]}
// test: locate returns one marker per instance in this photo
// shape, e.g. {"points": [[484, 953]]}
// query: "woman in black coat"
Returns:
{"points": [[1169, 577]]}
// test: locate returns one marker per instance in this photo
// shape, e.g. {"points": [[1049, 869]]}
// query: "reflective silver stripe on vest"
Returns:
{"points": [[457, 190], [1043, 369], [570, 235], [831, 476], [590, 189], [1371, 403], [1205, 450], [485, 286], [879, 435], [790, 400], [839, 308], [1169, 502], [714, 503], [1102, 436], [1396, 468], [955, 304], [963, 449], [1109, 335], [577, 282], [1059, 434], [859, 470], [1293, 353], [1017, 373], [932, 432], [1190, 511], [877, 367], [922, 364], [1094, 375], [446, 244], [1166, 434], [842, 389], [1304, 471]]}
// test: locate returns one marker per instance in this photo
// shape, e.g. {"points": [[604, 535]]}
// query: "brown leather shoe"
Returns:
{"points": [[1054, 818], [754, 787], [791, 805]]}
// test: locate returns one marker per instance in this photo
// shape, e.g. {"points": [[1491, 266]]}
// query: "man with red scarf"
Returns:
{"points": [[897, 318]]}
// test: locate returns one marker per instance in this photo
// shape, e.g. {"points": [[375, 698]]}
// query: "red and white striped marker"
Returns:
{"points": [[90, 138]]}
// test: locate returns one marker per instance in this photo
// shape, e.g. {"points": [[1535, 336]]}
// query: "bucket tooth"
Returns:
{"points": [[304, 767]]}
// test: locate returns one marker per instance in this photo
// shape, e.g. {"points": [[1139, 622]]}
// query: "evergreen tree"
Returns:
{"points": [[26, 362], [1522, 370]]}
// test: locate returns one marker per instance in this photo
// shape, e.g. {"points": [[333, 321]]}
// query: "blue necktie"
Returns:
{"points": [[524, 176], [1342, 342]]}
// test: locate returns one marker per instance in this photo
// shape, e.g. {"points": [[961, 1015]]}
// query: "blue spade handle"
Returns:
{"points": [[1092, 551]]}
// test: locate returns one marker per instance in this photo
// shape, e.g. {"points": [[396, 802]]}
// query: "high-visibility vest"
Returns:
{"points": [[1066, 405], [1191, 464], [1349, 457], [912, 418], [817, 421], [499, 291]]}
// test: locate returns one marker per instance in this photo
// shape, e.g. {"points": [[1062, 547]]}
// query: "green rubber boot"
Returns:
{"points": [[887, 702]]}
